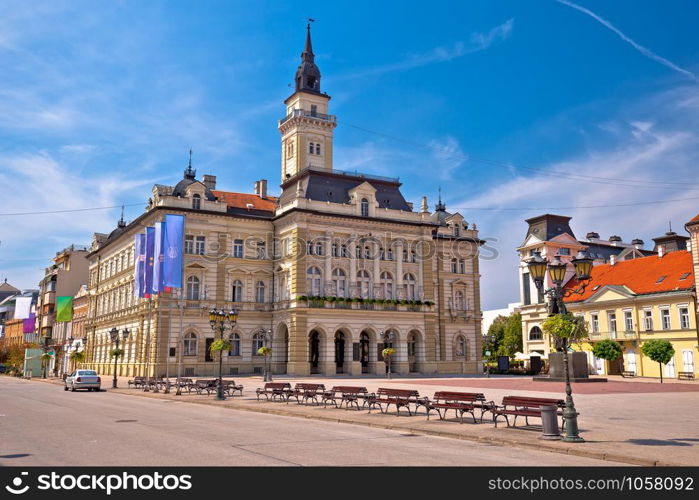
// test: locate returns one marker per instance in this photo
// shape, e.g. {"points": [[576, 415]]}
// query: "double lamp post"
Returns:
{"points": [[114, 335], [538, 266], [221, 321]]}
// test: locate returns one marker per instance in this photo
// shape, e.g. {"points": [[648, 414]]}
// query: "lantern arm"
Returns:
{"points": [[578, 290]]}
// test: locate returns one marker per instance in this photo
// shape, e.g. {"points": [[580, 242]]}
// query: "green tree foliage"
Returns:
{"points": [[566, 327], [660, 351], [496, 334], [220, 345], [512, 336], [607, 349], [116, 353]]}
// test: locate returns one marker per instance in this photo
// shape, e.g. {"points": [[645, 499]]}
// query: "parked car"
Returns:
{"points": [[83, 379]]}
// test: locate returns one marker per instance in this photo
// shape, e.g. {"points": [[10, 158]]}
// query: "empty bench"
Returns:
{"points": [[306, 392], [521, 406], [349, 395], [274, 390], [137, 382], [460, 403], [685, 375], [401, 398]]}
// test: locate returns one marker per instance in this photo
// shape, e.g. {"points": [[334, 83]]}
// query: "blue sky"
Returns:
{"points": [[99, 100]]}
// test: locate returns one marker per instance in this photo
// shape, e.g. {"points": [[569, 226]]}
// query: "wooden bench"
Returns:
{"points": [[442, 402], [521, 406], [137, 382], [274, 390], [346, 394], [184, 383], [478, 400], [625, 374], [230, 387], [305, 392], [685, 375], [398, 397], [208, 385]]}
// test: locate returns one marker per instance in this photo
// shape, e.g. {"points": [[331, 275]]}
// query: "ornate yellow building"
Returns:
{"points": [[336, 268]]}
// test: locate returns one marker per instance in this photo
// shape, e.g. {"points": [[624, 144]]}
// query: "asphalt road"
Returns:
{"points": [[40, 424]]}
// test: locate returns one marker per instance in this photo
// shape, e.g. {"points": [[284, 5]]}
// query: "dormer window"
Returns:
{"points": [[564, 251], [365, 207], [196, 202], [457, 230]]}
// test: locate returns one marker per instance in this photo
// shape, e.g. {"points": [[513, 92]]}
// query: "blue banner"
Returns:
{"points": [[173, 234], [150, 261], [158, 257], [139, 265]]}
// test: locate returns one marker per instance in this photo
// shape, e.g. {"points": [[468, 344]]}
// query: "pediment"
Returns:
{"points": [[195, 265], [532, 240], [364, 188], [611, 292], [566, 239]]}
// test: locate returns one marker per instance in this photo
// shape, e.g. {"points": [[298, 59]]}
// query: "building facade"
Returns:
{"points": [[329, 273]]}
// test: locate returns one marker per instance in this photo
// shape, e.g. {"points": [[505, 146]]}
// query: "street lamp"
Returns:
{"points": [[114, 335], [221, 320], [582, 263]]}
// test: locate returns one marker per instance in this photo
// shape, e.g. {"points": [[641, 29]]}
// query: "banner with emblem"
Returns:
{"points": [[158, 249], [173, 238], [140, 265], [150, 261]]}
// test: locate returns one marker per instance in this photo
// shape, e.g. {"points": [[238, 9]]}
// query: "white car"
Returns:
{"points": [[83, 379]]}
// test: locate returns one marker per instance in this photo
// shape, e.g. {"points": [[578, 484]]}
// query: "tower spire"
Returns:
{"points": [[190, 173], [440, 206], [121, 222], [308, 74]]}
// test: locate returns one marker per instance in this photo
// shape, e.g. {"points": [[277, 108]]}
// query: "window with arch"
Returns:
{"points": [[535, 333], [196, 202], [412, 344], [364, 283], [258, 340], [315, 281], [459, 300], [365, 207], [190, 344], [193, 286], [339, 283], [460, 346], [235, 344], [412, 256], [462, 266], [237, 291], [289, 149], [410, 287], [367, 252], [259, 291], [317, 148], [454, 266], [310, 147], [387, 285], [319, 248]]}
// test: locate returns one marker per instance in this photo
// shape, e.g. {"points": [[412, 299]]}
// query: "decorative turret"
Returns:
{"points": [[308, 74]]}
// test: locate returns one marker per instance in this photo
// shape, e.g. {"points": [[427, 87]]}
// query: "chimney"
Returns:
{"points": [[614, 239], [637, 243], [209, 181], [592, 236], [261, 188], [612, 260], [661, 251], [423, 205]]}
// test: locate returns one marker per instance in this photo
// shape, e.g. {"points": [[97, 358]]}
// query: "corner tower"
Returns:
{"points": [[307, 128]]}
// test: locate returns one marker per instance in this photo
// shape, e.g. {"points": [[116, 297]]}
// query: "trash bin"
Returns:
{"points": [[549, 422]]}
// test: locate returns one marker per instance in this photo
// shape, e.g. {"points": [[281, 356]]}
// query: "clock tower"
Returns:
{"points": [[307, 128]]}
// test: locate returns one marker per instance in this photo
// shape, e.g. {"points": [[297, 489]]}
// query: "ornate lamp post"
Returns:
{"points": [[538, 266], [114, 335], [221, 321]]}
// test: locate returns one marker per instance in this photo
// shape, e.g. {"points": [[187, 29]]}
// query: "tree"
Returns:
{"points": [[607, 349], [77, 357], [660, 351], [495, 336], [565, 329], [511, 342]]}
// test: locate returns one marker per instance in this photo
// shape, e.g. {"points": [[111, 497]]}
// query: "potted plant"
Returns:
{"points": [[387, 353], [77, 357], [265, 351], [219, 346]]}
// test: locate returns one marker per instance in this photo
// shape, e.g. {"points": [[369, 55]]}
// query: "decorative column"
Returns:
{"points": [[399, 269], [375, 267], [352, 249], [328, 261]]}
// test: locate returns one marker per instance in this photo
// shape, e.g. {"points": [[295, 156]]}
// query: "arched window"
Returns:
{"points": [[412, 344], [314, 281], [410, 287], [462, 266], [454, 266], [317, 148], [289, 149], [310, 147], [339, 283], [365, 207], [260, 292], [235, 345], [192, 288], [364, 283], [258, 340], [535, 333], [460, 346], [190, 344], [412, 256], [237, 291], [387, 285], [196, 202], [459, 301], [367, 252], [319, 248]]}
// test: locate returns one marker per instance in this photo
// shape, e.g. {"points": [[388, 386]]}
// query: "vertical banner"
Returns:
{"points": [[172, 255], [22, 307], [158, 257], [64, 308], [139, 265], [29, 324], [150, 261]]}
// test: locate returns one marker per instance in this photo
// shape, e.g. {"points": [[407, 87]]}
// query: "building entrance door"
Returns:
{"points": [[314, 352], [364, 352]]}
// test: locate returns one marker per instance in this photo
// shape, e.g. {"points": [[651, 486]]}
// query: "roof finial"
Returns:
{"points": [[190, 173], [440, 205], [122, 222]]}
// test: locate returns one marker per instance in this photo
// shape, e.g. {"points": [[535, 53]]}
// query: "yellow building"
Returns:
{"points": [[633, 301]]}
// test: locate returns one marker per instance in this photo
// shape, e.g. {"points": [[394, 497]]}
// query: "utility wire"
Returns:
{"points": [[581, 206], [70, 210]]}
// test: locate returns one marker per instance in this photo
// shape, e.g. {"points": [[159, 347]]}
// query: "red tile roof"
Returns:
{"points": [[694, 220], [241, 200], [641, 275]]}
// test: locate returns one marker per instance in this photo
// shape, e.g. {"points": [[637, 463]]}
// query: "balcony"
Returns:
{"points": [[307, 114], [363, 304]]}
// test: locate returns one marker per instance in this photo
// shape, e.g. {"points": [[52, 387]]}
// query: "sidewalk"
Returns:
{"points": [[635, 427]]}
